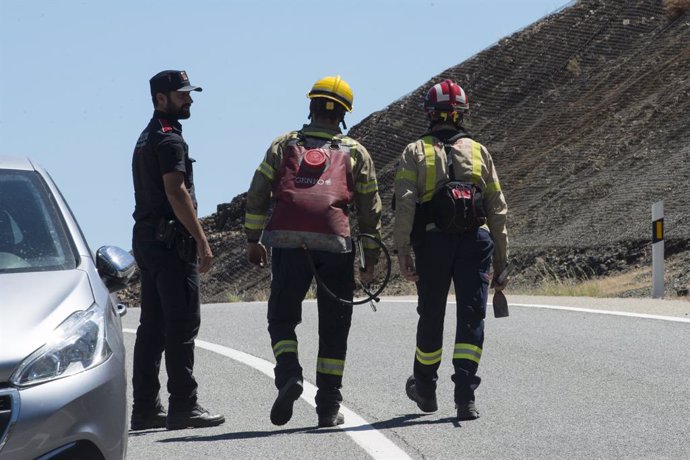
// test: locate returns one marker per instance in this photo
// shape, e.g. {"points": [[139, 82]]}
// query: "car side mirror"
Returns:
{"points": [[115, 266]]}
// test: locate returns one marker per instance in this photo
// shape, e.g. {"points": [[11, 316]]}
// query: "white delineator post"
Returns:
{"points": [[658, 250]]}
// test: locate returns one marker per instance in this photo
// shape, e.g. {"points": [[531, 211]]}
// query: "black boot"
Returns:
{"points": [[197, 417], [331, 420], [467, 411], [281, 412], [425, 404], [148, 419]]}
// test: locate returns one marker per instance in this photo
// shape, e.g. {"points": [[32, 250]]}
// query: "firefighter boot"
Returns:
{"points": [[467, 411], [326, 421], [281, 412], [425, 403]]}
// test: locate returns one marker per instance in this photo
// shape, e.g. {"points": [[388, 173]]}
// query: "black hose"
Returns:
{"points": [[371, 296]]}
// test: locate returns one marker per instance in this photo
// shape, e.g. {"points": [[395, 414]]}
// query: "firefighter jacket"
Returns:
{"points": [[423, 167], [266, 185]]}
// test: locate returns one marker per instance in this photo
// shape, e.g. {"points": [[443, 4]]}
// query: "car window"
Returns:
{"points": [[32, 230]]}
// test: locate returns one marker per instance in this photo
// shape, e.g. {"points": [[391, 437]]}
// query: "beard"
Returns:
{"points": [[184, 112], [178, 112]]}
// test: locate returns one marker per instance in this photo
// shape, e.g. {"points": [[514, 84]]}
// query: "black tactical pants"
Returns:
{"points": [[292, 276], [169, 321], [465, 259]]}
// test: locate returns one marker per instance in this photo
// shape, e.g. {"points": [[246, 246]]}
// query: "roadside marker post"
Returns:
{"points": [[658, 250]]}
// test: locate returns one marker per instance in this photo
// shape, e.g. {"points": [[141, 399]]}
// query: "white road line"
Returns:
{"points": [[371, 440], [607, 312], [584, 310]]}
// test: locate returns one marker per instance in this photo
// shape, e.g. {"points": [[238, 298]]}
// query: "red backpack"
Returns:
{"points": [[312, 189]]}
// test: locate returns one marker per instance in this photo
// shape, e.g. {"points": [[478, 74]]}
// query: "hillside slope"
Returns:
{"points": [[586, 115]]}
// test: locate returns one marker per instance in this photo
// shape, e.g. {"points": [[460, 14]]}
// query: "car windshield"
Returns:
{"points": [[32, 231]]}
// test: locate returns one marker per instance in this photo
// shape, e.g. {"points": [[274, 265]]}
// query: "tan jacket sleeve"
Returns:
{"points": [[259, 193], [406, 197], [367, 200], [496, 210]]}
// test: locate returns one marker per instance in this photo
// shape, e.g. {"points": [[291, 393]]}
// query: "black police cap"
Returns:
{"points": [[171, 80]]}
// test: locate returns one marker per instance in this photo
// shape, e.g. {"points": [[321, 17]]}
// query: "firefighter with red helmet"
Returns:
{"points": [[451, 213], [313, 176]]}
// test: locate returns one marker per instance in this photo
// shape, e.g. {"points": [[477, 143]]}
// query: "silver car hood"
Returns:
{"points": [[32, 305]]}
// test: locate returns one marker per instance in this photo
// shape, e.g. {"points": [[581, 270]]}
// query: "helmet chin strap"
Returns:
{"points": [[455, 119]]}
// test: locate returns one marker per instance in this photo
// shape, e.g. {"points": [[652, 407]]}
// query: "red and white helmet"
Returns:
{"points": [[446, 96]]}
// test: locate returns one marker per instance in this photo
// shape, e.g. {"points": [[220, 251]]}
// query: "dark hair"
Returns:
{"points": [[317, 108], [155, 100]]}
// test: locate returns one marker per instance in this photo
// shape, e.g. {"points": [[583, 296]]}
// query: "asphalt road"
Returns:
{"points": [[583, 382]]}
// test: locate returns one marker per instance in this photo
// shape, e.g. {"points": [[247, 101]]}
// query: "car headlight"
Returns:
{"points": [[75, 345]]}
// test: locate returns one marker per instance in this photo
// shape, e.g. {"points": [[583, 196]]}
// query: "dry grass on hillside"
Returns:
{"points": [[612, 286], [676, 7], [635, 282]]}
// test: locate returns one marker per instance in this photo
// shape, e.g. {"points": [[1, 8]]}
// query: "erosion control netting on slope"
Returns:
{"points": [[585, 113]]}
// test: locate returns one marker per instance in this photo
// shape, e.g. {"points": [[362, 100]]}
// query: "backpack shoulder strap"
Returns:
{"points": [[447, 146], [452, 140]]}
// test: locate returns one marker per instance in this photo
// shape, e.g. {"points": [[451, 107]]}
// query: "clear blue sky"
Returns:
{"points": [[74, 92]]}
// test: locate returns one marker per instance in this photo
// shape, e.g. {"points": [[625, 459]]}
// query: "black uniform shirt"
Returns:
{"points": [[159, 150]]}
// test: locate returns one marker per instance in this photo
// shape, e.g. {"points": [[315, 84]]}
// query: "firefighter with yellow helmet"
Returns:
{"points": [[451, 212], [313, 176]]}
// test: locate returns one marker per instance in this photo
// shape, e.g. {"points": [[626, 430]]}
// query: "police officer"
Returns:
{"points": [[314, 175], [167, 241], [461, 250]]}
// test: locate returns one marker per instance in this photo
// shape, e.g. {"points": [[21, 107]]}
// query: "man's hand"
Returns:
{"points": [[500, 282], [256, 254], [205, 256], [367, 276], [407, 268]]}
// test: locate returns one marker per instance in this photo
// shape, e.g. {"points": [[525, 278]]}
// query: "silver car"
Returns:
{"points": [[62, 357]]}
